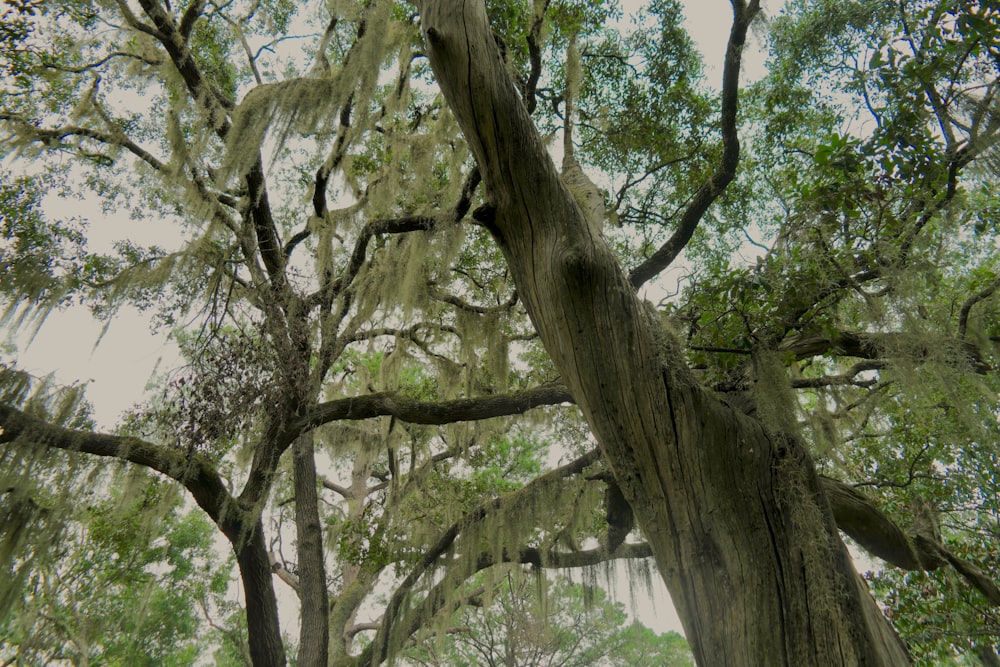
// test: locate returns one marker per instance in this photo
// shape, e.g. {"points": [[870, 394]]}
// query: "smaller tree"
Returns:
{"points": [[521, 619], [130, 582]]}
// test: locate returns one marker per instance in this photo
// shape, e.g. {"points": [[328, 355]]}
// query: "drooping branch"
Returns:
{"points": [[194, 471], [743, 15], [197, 474], [395, 613], [920, 549], [442, 594]]}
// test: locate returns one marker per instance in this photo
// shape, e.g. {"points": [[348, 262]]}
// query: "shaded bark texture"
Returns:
{"points": [[735, 516]]}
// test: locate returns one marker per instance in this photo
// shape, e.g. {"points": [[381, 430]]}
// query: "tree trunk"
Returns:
{"points": [[740, 529], [263, 633], [314, 633]]}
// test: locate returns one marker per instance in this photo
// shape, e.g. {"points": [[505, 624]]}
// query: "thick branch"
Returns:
{"points": [[881, 346], [435, 412], [176, 46], [921, 549], [194, 471]]}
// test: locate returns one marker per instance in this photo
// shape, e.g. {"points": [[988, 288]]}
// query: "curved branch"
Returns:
{"points": [[379, 648], [374, 228], [743, 15], [880, 346], [102, 61], [963, 315], [199, 477], [401, 226], [460, 303], [194, 471]]}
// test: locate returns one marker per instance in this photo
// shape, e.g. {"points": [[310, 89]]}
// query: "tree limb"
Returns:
{"points": [[743, 15], [881, 346], [921, 549], [199, 477], [385, 404]]}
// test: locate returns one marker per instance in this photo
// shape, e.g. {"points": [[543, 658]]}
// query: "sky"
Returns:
{"points": [[118, 362]]}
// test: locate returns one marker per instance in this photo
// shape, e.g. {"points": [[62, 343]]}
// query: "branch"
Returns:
{"points": [[534, 38], [200, 478], [373, 228], [882, 346], [175, 44], [710, 190], [410, 410], [379, 648], [921, 549], [194, 471], [102, 61], [191, 14], [46, 136], [460, 303], [278, 568], [963, 315], [848, 377]]}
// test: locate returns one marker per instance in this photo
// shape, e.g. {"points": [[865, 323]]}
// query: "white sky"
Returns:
{"points": [[118, 366]]}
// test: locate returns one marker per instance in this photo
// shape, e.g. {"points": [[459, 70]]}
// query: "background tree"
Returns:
{"points": [[570, 624], [378, 272]]}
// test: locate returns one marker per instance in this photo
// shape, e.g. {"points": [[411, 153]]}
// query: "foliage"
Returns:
{"points": [[363, 406], [527, 622], [130, 584]]}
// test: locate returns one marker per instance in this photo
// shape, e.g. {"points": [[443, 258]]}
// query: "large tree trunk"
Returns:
{"points": [[740, 529]]}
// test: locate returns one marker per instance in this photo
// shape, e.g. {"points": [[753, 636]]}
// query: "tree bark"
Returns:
{"points": [[263, 634], [738, 524], [314, 631]]}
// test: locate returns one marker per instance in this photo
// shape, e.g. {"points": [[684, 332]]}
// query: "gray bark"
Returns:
{"points": [[314, 631], [735, 516]]}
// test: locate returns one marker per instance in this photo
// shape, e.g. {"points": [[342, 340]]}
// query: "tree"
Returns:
{"points": [[120, 590], [388, 202], [569, 624]]}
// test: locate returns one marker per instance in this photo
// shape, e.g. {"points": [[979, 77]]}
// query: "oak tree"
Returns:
{"points": [[383, 262]]}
